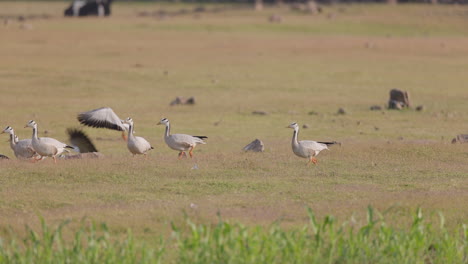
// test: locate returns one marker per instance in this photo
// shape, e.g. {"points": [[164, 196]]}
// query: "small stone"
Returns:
{"points": [[358, 123], [259, 113], [305, 126], [376, 128], [313, 113], [275, 19], [375, 108], [181, 100], [462, 138], [255, 146], [341, 111], [420, 108]]}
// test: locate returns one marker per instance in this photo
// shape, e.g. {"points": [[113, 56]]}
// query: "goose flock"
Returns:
{"points": [[38, 148]]}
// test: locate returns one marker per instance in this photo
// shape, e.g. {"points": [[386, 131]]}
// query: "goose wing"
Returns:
{"points": [[54, 142], [330, 143], [188, 140], [312, 145], [79, 139], [103, 117], [144, 143]]}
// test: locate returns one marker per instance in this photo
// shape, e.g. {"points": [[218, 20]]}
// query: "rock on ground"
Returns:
{"points": [[462, 138], [255, 146], [398, 99]]}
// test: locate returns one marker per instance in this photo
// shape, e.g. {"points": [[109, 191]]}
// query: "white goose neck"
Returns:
{"points": [[168, 130], [34, 136], [295, 134], [12, 139], [130, 130]]}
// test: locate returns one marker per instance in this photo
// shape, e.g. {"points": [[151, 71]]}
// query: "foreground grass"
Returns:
{"points": [[324, 241]]}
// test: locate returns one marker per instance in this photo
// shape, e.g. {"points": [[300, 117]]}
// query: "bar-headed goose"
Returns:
{"points": [[136, 145], [307, 148], [45, 146], [23, 149], [103, 117], [180, 142]]}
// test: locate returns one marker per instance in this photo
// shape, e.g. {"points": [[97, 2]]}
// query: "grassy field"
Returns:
{"points": [[234, 62]]}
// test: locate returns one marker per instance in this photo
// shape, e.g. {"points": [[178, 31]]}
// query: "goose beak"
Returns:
{"points": [[25, 126], [159, 123], [2, 132]]}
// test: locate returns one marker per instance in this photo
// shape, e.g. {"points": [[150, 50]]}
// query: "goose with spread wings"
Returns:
{"points": [[103, 117]]}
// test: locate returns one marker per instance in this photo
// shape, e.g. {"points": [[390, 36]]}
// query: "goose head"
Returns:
{"points": [[8, 130], [128, 121], [31, 124], [294, 126], [163, 121]]}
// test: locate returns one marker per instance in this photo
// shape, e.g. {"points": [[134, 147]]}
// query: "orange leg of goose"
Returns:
{"points": [[182, 154], [55, 159], [190, 151], [124, 136], [312, 160]]}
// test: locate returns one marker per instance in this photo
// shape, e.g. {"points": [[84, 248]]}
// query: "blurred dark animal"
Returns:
{"points": [[89, 8], [2, 157]]}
